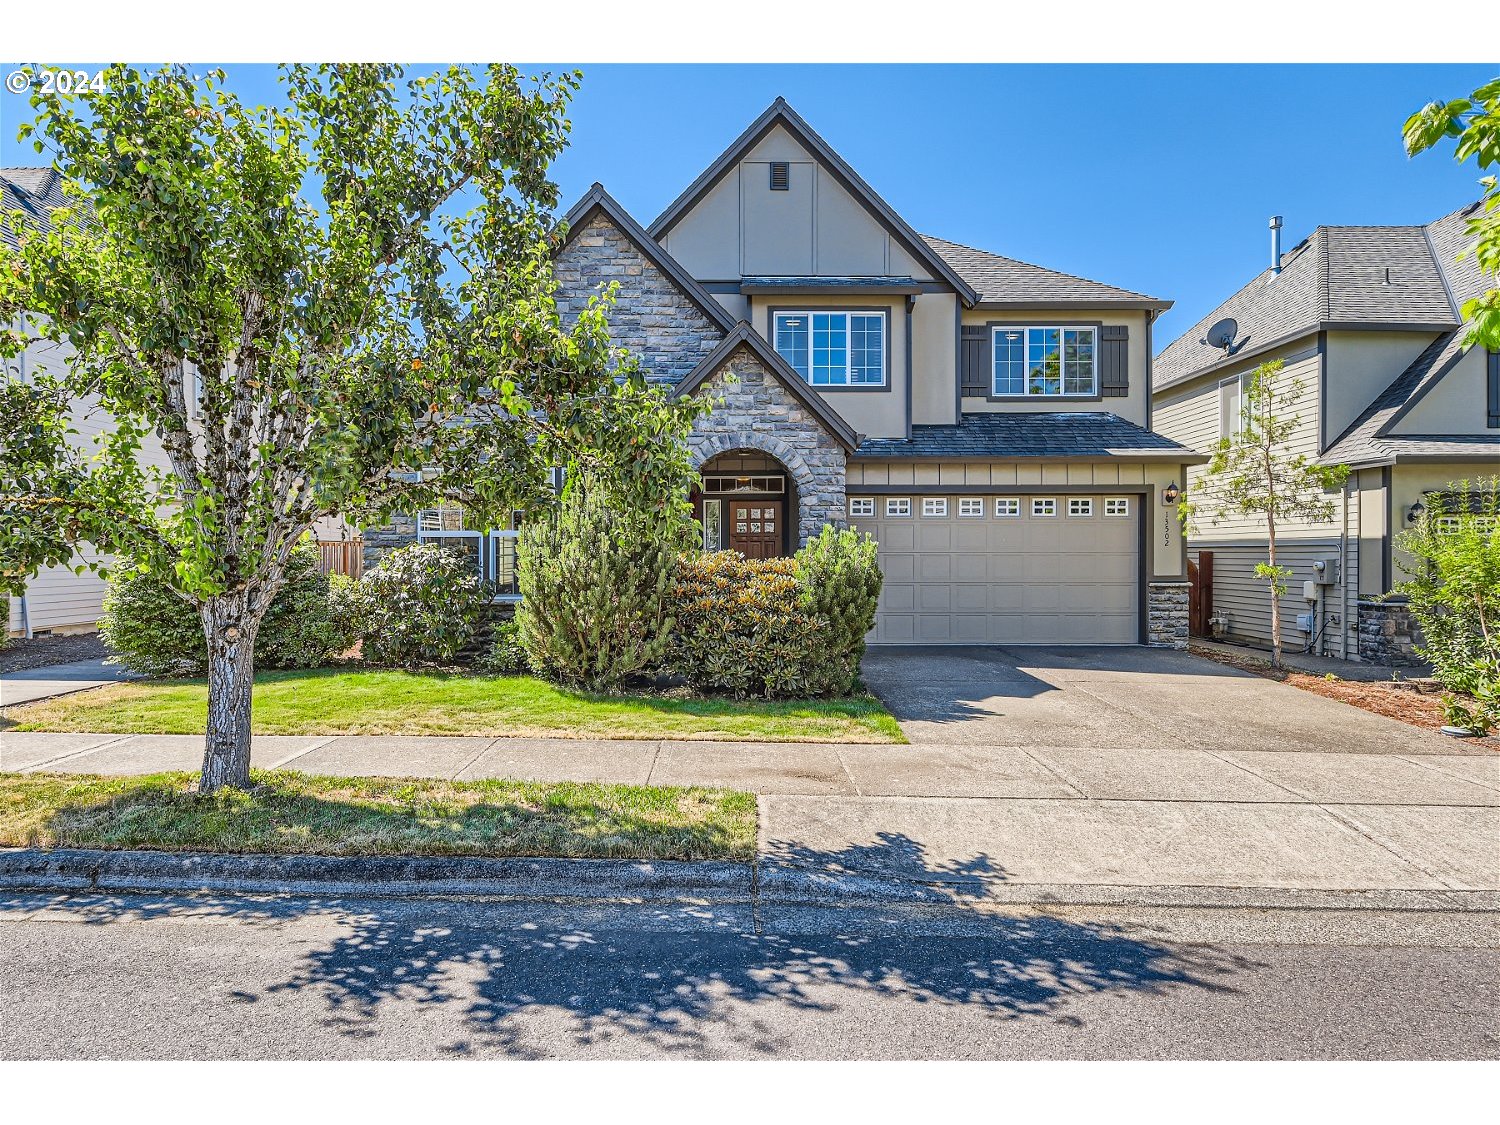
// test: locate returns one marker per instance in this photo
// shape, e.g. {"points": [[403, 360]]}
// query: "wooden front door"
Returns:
{"points": [[755, 527]]}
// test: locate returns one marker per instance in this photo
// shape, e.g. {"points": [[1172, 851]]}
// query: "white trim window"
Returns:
{"points": [[713, 524], [935, 506], [970, 507], [1043, 506], [1045, 361], [1231, 409], [1007, 507], [897, 506], [1117, 505], [833, 349], [861, 506], [1080, 506]]}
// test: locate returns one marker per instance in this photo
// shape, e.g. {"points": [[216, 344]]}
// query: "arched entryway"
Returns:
{"points": [[746, 500]]}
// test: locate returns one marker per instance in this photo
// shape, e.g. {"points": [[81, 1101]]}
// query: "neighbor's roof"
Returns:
{"points": [[1339, 277], [1001, 281], [35, 191], [1051, 434]]}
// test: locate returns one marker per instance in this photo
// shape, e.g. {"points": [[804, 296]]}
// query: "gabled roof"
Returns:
{"points": [[780, 113], [1056, 434], [35, 191], [744, 335], [597, 200], [1394, 277], [1368, 441], [1001, 281]]}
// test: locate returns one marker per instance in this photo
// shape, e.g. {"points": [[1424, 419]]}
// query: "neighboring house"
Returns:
{"points": [[988, 421], [1367, 318]]}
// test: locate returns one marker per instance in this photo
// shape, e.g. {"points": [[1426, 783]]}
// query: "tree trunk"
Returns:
{"points": [[1275, 596], [230, 631]]}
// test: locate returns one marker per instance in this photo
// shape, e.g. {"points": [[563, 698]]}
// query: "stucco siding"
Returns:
{"points": [[1359, 366], [1410, 484], [934, 360], [1456, 404]]}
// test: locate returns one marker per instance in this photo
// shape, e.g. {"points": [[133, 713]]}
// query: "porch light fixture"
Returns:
{"points": [[1414, 513], [1171, 493]]}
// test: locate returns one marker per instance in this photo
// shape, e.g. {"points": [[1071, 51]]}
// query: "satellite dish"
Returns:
{"points": [[1222, 334]]}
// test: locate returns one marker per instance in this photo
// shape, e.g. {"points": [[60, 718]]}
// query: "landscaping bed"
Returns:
{"points": [[292, 814], [20, 654], [363, 701], [1417, 703]]}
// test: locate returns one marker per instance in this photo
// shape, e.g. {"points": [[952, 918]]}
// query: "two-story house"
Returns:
{"points": [[1367, 322], [987, 420]]}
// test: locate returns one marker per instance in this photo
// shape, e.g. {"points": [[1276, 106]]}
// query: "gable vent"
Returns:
{"points": [[781, 175]]}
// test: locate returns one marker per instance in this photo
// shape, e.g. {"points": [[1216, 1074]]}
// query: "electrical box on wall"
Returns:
{"points": [[1310, 591], [1327, 571], [1305, 622]]}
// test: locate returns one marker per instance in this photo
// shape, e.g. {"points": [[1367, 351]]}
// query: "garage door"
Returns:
{"points": [[1049, 568]]}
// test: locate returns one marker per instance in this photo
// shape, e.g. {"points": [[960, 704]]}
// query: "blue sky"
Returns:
{"points": [[1155, 178]]}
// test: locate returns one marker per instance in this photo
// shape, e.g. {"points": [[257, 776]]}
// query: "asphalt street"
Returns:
{"points": [[237, 978]]}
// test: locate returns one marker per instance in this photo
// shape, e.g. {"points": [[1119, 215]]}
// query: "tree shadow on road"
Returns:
{"points": [[533, 980]]}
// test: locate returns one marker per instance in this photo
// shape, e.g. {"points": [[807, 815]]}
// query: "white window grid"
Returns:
{"points": [[1080, 506], [935, 506], [494, 551], [897, 506], [826, 332], [862, 506], [1117, 506], [1014, 343], [970, 507], [1043, 507], [1007, 507]]}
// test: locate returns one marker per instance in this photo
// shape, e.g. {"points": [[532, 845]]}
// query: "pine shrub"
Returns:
{"points": [[594, 580], [841, 583]]}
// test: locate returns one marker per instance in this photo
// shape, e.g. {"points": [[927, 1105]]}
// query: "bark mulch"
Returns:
{"points": [[42, 652], [1418, 702]]}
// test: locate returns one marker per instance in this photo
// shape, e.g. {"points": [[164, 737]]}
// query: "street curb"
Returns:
{"points": [[72, 871]]}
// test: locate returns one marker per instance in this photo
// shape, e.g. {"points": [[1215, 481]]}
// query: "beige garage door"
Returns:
{"points": [[1049, 568]]}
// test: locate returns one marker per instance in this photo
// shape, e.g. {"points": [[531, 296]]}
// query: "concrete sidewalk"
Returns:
{"points": [[33, 684], [997, 821]]}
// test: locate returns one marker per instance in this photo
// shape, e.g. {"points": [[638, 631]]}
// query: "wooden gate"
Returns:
{"points": [[1200, 594], [342, 556]]}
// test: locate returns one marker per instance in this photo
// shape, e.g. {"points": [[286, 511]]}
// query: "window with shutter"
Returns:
{"points": [[1494, 395], [1114, 361], [974, 360]]}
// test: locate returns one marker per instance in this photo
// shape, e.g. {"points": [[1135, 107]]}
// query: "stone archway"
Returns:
{"points": [[752, 411]]}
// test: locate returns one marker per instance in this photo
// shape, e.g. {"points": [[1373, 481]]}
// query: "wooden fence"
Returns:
{"points": [[342, 556]]}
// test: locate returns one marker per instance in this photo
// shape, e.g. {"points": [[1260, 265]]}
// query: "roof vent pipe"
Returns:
{"points": [[1275, 245]]}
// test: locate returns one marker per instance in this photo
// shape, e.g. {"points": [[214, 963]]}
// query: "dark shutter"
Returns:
{"points": [[1114, 361], [1494, 396], [974, 361]]}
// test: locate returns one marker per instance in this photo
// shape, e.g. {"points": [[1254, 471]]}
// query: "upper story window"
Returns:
{"points": [[834, 349], [1049, 361], [1231, 409]]}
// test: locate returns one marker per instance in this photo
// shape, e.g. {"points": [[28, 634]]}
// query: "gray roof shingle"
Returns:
{"points": [[35, 191], [1004, 281], [1364, 276], [1008, 435]]}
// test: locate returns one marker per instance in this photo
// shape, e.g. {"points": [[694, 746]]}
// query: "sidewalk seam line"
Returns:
{"points": [[483, 750], [75, 754], [318, 744], [1056, 772], [1440, 770], [1368, 834], [1219, 756], [838, 755]]}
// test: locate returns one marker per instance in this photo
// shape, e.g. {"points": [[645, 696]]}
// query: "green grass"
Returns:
{"points": [[292, 814], [338, 701]]}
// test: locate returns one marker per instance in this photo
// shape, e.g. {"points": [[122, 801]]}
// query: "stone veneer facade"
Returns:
{"points": [[1167, 614], [752, 410], [652, 319], [1388, 634]]}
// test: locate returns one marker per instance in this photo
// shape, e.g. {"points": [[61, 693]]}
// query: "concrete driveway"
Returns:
{"points": [[1127, 699]]}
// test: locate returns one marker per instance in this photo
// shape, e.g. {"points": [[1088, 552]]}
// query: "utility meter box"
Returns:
{"points": [[1327, 571]]}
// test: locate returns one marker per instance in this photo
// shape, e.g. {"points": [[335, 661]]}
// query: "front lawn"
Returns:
{"points": [[292, 814], [338, 701]]}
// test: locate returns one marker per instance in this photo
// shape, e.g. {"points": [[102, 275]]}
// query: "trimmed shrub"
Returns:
{"points": [[153, 631], [743, 628], [841, 583], [505, 656], [422, 605], [594, 581]]}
